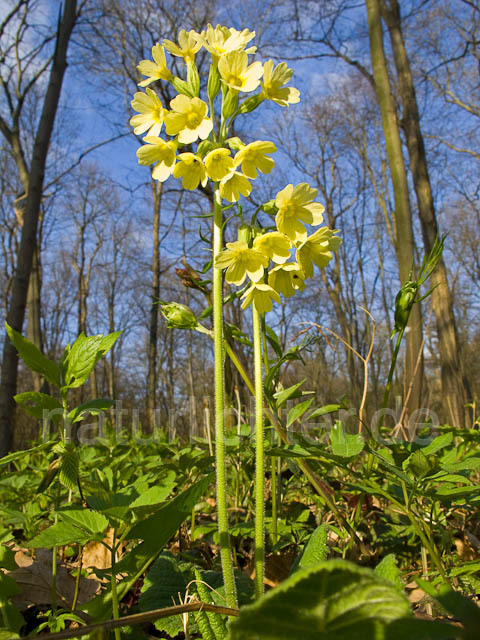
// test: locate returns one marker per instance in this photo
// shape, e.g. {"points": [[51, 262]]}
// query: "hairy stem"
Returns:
{"points": [[259, 458], [225, 552]]}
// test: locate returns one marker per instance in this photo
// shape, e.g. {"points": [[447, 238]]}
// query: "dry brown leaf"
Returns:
{"points": [[34, 577]]}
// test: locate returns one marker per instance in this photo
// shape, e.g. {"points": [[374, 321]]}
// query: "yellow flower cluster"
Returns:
{"points": [[187, 120], [295, 206]]}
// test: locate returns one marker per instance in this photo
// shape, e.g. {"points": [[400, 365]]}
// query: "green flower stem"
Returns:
{"points": [[113, 582], [388, 387], [259, 459], [314, 480], [225, 552]]}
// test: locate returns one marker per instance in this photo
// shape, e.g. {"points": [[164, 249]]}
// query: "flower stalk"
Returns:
{"points": [[225, 551], [259, 458]]}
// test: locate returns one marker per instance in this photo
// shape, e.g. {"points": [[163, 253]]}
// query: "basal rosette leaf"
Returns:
{"points": [[334, 599]]}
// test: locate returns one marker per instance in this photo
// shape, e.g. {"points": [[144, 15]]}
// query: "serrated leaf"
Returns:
{"points": [[83, 355], [86, 519], [33, 357], [315, 551], [161, 587], [387, 568], [335, 599], [297, 411], [35, 403], [69, 464], [58, 535], [345, 445], [322, 411], [93, 407]]}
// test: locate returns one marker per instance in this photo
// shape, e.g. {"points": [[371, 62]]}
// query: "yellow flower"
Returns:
{"points": [[317, 249], [237, 73], [261, 295], [158, 150], [223, 40], [151, 113], [273, 84], [154, 70], [233, 185], [219, 163], [286, 279], [188, 119], [241, 261], [191, 169], [295, 205], [253, 157], [189, 43], [275, 245]]}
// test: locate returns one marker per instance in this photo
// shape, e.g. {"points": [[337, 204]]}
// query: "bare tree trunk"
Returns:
{"points": [[28, 242], [404, 242], [152, 374], [454, 385]]}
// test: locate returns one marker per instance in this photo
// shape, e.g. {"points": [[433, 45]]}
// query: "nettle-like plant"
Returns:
{"points": [[275, 259]]}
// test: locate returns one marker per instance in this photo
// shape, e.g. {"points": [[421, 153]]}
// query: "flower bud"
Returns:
{"points": [[270, 207], [193, 79], [178, 315], [204, 147], [214, 83], [250, 104], [230, 103], [244, 233], [182, 87], [235, 143]]}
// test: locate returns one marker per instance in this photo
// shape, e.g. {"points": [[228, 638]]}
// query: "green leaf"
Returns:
{"points": [[7, 558], [93, 407], [345, 445], [321, 411], [18, 455], [289, 451], [440, 442], [335, 599], [418, 464], [155, 531], [282, 396], [86, 519], [153, 495], [33, 357], [83, 355], [297, 411], [388, 569], [58, 535], [161, 587], [69, 464], [35, 403], [315, 551]]}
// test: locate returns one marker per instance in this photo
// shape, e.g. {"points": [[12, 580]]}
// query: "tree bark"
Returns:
{"points": [[28, 242], [454, 385], [404, 239]]}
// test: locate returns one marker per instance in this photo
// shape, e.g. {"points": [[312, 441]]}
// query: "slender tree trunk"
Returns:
{"points": [[34, 330], [28, 242], [152, 374], [404, 242], [454, 385]]}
